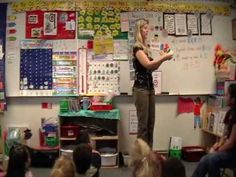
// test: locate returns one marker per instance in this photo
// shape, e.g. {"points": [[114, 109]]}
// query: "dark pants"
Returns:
{"points": [[212, 163], [145, 106]]}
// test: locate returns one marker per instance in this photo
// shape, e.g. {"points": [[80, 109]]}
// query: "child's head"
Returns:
{"points": [[63, 167], [139, 150], [173, 168], [19, 161], [83, 137], [231, 95], [148, 166], [144, 161], [82, 156]]}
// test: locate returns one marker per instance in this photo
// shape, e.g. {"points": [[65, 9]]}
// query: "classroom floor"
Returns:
{"points": [[117, 172]]}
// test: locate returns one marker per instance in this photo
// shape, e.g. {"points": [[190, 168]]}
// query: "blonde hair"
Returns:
{"points": [[137, 35], [144, 161], [63, 167], [139, 150]]}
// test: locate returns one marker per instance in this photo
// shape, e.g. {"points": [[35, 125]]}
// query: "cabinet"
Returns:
{"points": [[103, 127]]}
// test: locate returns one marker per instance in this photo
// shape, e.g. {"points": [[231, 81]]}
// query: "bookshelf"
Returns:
{"points": [[93, 121]]}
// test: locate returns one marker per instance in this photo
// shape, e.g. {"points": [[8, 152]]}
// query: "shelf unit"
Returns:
{"points": [[103, 125]]}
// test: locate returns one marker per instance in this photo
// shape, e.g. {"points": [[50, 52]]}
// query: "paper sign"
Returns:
{"points": [[157, 81], [133, 122]]}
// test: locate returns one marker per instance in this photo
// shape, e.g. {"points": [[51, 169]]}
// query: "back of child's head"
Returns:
{"points": [[149, 166], [145, 162], [19, 159], [82, 156], [139, 150], [83, 137], [173, 167], [63, 167]]}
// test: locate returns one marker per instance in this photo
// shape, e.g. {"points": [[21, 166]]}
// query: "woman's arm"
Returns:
{"points": [[155, 64], [231, 142]]}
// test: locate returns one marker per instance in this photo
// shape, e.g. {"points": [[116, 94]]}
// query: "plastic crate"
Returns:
{"points": [[175, 153], [193, 153], [101, 107], [51, 141], [69, 131]]}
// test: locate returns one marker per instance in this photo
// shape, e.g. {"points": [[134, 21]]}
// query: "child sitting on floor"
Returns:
{"points": [[19, 162], [63, 167], [147, 163]]}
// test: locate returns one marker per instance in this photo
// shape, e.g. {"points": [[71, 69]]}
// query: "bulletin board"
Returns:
{"points": [[190, 71]]}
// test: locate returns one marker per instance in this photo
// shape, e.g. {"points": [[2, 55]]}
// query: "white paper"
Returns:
{"points": [[133, 122], [124, 20], [50, 24], [180, 24], [192, 23], [169, 23], [205, 24], [156, 75]]}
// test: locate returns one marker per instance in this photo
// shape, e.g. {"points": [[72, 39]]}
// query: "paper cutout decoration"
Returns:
{"points": [[50, 25], [185, 105]]}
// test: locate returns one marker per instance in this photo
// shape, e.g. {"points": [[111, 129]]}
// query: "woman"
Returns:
{"points": [[223, 153], [143, 89]]}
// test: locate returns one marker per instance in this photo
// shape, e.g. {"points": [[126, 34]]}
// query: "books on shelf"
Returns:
{"points": [[216, 122]]}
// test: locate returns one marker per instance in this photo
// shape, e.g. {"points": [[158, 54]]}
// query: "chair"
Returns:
{"points": [[224, 174]]}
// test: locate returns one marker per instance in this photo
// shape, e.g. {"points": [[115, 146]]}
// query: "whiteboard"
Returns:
{"points": [[190, 72]]}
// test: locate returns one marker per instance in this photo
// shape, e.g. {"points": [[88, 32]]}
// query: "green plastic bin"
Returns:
{"points": [[175, 153]]}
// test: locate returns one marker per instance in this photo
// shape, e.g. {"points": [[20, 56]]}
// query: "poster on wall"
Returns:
{"points": [[206, 24], [35, 66], [180, 25], [169, 23], [64, 72], [50, 25], [98, 23], [192, 24]]}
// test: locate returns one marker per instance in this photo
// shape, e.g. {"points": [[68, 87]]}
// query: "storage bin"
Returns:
{"points": [[109, 159], [69, 131], [67, 152], [51, 141], [101, 107], [64, 106], [175, 153], [193, 153], [126, 159]]}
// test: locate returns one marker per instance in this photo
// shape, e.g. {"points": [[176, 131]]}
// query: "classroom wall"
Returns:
{"points": [[27, 112]]}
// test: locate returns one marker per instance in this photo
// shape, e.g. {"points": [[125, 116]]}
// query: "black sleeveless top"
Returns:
{"points": [[230, 120], [143, 76]]}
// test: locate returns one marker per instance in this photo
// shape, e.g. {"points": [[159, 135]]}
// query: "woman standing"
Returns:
{"points": [[143, 89]]}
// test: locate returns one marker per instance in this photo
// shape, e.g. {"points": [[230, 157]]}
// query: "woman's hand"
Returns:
{"points": [[167, 56]]}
